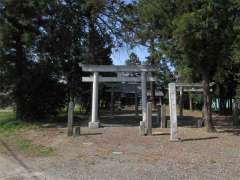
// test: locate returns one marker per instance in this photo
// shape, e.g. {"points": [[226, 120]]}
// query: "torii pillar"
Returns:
{"points": [[143, 123], [144, 96], [94, 123]]}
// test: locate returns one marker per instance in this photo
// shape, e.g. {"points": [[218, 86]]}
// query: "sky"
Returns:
{"points": [[120, 55]]}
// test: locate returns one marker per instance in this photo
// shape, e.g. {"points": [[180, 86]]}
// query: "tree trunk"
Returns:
{"points": [[207, 111], [18, 110], [19, 84]]}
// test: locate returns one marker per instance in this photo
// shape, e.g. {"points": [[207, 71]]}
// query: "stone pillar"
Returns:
{"points": [[190, 102], [144, 103], [173, 111], [77, 131], [149, 119], [70, 118], [144, 95], [112, 102], [94, 119], [181, 103], [163, 116]]}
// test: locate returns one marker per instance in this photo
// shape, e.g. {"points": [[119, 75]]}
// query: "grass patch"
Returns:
{"points": [[10, 130], [213, 161], [10, 126], [27, 147], [6, 116]]}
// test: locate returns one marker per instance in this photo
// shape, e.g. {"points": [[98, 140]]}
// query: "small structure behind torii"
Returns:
{"points": [[128, 88]]}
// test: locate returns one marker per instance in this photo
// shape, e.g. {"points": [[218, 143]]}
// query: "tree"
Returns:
{"points": [[202, 33], [45, 95], [141, 23], [19, 28], [195, 34], [58, 34], [74, 25], [133, 60]]}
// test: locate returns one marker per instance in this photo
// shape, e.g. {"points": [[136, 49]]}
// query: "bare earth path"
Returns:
{"points": [[119, 153]]}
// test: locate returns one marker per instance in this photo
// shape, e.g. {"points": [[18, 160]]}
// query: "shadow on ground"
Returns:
{"points": [[199, 139], [188, 121], [129, 119], [224, 124]]}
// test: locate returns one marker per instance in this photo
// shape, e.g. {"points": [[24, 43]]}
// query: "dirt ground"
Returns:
{"points": [[118, 152]]}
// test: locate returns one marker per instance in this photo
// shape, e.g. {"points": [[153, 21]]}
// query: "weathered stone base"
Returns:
{"points": [[176, 140], [77, 131], [142, 128], [93, 125], [70, 131], [199, 123]]}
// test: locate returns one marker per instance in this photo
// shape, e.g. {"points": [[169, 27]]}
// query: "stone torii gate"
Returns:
{"points": [[96, 79], [172, 89]]}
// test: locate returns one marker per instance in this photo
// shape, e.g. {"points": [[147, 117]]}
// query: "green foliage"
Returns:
{"points": [[42, 43], [199, 37], [6, 116], [133, 60], [46, 95], [27, 147], [10, 129], [237, 96], [204, 32], [19, 22], [9, 126]]}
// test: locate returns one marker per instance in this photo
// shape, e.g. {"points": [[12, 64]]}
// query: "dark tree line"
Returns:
{"points": [[201, 39], [41, 44]]}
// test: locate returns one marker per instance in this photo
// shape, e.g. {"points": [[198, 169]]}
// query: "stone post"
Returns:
{"points": [[190, 102], [173, 111], [144, 103], [163, 116], [77, 131], [149, 119], [144, 95], [70, 118], [94, 119]]}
